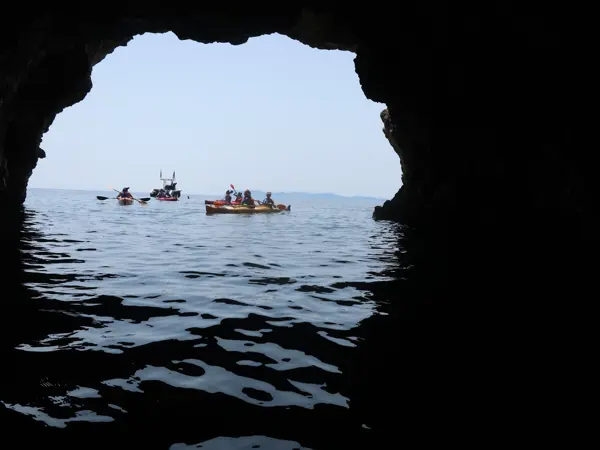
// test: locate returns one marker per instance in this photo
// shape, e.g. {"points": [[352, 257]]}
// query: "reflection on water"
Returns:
{"points": [[297, 341], [189, 344]]}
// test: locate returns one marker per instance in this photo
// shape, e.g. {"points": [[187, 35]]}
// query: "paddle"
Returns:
{"points": [[100, 197], [235, 192], [141, 202]]}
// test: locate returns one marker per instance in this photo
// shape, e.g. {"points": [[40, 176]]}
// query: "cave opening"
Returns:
{"points": [[221, 114], [135, 288]]}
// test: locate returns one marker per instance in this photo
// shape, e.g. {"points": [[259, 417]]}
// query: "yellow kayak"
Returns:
{"points": [[243, 209]]}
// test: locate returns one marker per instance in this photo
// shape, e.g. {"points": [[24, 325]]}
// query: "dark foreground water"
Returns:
{"points": [[165, 327], [160, 327]]}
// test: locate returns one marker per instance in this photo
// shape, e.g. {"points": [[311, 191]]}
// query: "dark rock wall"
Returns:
{"points": [[485, 120], [481, 102]]}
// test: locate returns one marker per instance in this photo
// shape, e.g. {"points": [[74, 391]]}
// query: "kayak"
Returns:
{"points": [[236, 209], [167, 199], [125, 201], [219, 202]]}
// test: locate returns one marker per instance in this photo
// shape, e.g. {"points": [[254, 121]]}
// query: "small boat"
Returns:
{"points": [[244, 209], [168, 193], [125, 201]]}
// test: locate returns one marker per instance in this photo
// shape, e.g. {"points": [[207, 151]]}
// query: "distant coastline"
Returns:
{"points": [[323, 195], [255, 194]]}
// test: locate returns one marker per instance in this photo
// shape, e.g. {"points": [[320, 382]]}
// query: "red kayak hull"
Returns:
{"points": [[167, 199]]}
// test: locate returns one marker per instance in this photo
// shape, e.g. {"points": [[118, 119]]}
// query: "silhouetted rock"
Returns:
{"points": [[481, 105]]}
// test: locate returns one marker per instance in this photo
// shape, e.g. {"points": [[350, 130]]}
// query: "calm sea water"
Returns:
{"points": [[170, 328]]}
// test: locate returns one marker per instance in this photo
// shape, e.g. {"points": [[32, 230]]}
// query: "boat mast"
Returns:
{"points": [[167, 181]]}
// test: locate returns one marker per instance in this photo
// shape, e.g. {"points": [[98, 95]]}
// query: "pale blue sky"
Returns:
{"points": [[272, 114]]}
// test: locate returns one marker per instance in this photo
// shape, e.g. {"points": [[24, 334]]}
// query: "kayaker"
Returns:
{"points": [[125, 193], [228, 196], [238, 197], [268, 200], [248, 200]]}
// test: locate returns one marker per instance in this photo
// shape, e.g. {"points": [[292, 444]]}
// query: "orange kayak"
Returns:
{"points": [[236, 209], [219, 202]]}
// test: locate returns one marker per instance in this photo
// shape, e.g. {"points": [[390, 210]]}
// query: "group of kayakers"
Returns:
{"points": [[241, 199], [246, 198]]}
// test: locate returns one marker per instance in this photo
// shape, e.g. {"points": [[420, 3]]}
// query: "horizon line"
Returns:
{"points": [[212, 194]]}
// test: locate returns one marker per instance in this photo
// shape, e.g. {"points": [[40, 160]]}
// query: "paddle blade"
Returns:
{"points": [[232, 186], [145, 199], [99, 197], [281, 207]]}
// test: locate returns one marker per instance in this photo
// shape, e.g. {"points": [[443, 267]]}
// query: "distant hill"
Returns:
{"points": [[309, 195], [324, 195]]}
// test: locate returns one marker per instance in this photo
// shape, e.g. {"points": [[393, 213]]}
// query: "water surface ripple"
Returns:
{"points": [[224, 330]]}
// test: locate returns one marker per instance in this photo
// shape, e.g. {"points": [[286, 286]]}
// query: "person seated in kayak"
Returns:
{"points": [[228, 196], [125, 193], [238, 197], [248, 200], [268, 200]]}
